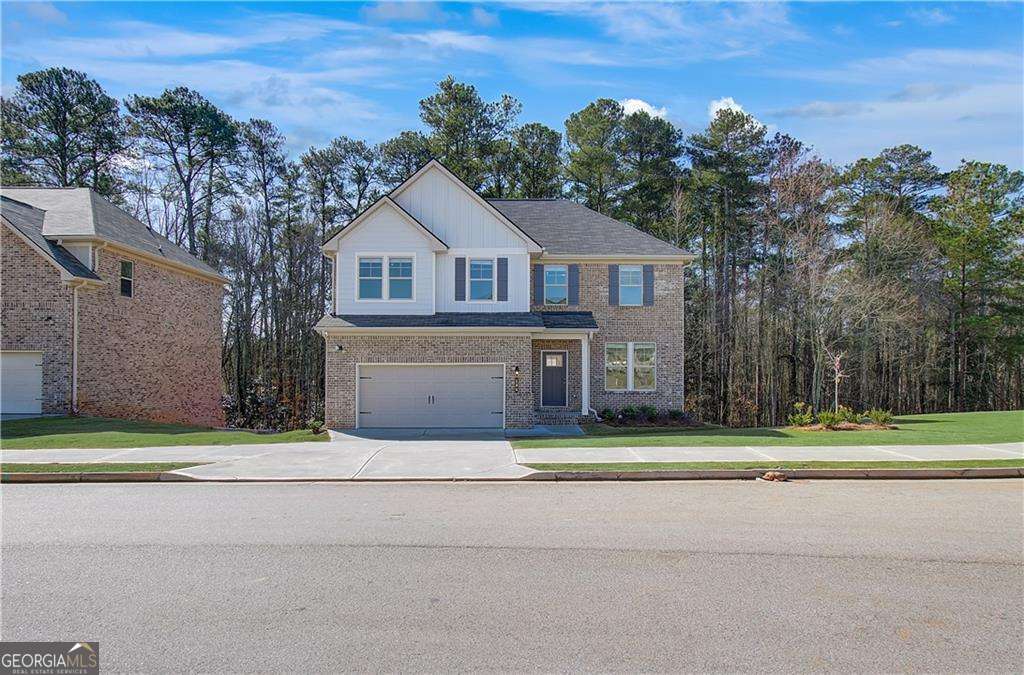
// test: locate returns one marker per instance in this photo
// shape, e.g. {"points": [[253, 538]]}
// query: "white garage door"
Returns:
{"points": [[431, 396], [21, 379]]}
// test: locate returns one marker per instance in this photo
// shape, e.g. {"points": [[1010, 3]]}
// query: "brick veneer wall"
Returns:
{"points": [[340, 367], [661, 323], [36, 316], [574, 400], [155, 355]]}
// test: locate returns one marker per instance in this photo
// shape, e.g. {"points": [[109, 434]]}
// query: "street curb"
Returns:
{"points": [[751, 474], [94, 477]]}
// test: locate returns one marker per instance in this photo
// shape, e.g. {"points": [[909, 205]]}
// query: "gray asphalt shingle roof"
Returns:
{"points": [[564, 227], [539, 320], [82, 212], [29, 222]]}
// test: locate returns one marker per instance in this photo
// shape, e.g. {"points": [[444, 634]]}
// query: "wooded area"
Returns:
{"points": [[901, 281]]}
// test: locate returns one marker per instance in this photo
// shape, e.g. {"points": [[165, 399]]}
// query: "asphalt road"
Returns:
{"points": [[893, 576]]}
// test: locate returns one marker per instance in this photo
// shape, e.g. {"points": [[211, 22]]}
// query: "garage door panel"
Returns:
{"points": [[431, 396], [21, 382]]}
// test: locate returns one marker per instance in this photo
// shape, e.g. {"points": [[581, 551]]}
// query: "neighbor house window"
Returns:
{"points": [[481, 279], [400, 278], [371, 278], [127, 278], [556, 285], [631, 285], [630, 366]]}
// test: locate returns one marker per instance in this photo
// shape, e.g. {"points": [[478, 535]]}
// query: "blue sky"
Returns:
{"points": [[847, 78]]}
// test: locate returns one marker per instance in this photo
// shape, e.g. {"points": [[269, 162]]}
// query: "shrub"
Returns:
{"points": [[629, 414], [880, 417], [829, 419], [606, 414], [316, 426], [803, 417], [847, 415], [648, 412]]}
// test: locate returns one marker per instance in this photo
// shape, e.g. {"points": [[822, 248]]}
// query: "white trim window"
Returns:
{"points": [[630, 366], [556, 285], [127, 278], [400, 278], [481, 280], [631, 285], [371, 279]]}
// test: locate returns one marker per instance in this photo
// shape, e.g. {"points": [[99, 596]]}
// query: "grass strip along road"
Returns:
{"points": [[110, 467], [770, 466]]}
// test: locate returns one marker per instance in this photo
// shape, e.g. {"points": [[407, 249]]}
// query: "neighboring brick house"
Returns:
{"points": [[103, 316], [451, 310]]}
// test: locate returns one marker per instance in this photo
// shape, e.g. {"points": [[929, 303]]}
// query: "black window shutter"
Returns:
{"points": [[502, 279], [648, 285], [574, 284], [538, 284], [460, 278], [613, 285]]}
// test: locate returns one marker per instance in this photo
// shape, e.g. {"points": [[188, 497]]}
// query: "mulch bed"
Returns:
{"points": [[846, 426]]}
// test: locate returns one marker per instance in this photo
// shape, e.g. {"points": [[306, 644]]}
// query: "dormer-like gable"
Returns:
{"points": [[458, 215]]}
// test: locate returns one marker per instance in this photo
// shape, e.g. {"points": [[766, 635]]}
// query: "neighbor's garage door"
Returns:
{"points": [[21, 379], [431, 396]]}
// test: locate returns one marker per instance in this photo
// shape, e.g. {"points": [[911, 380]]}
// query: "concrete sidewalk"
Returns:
{"points": [[842, 453], [463, 454]]}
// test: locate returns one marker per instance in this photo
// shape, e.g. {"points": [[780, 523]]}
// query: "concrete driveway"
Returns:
{"points": [[386, 454]]}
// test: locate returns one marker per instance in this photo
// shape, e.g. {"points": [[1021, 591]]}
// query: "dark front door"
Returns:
{"points": [[553, 374]]}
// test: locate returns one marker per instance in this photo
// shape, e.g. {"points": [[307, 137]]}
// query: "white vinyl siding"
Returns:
{"points": [[518, 282], [386, 235], [630, 366]]}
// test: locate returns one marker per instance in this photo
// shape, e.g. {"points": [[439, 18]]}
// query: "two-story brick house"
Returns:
{"points": [[450, 310], [102, 315]]}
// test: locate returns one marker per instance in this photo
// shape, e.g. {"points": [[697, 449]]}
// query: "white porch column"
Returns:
{"points": [[585, 358]]}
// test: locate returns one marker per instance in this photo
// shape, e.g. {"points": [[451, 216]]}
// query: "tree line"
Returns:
{"points": [[902, 283]]}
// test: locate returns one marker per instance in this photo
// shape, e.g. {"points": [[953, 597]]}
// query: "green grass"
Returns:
{"points": [[98, 432], [112, 467], [706, 466], [934, 429]]}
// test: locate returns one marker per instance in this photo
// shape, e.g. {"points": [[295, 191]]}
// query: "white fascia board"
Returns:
{"points": [[679, 259], [334, 242]]}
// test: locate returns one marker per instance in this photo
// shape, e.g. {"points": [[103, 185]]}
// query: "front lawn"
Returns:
{"points": [[109, 467], [770, 466], [934, 429], [98, 432]]}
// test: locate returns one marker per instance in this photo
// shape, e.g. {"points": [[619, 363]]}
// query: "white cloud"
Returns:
{"points": [[930, 16], [450, 39], [43, 11], [822, 109], [924, 64], [404, 11], [724, 103], [482, 17], [632, 105]]}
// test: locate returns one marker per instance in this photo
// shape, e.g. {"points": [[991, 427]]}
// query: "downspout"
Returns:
{"points": [[682, 345], [74, 348]]}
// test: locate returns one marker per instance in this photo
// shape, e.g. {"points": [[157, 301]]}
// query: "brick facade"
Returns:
{"points": [[155, 355], [570, 413], [36, 316], [340, 384], [661, 323]]}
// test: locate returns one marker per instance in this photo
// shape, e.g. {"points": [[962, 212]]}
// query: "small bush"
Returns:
{"points": [[829, 419], [648, 412], [606, 414], [677, 415], [882, 418], [316, 426], [847, 415], [629, 414], [803, 417]]}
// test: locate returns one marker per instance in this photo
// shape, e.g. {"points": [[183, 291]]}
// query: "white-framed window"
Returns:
{"points": [[631, 285], [630, 366], [481, 279], [385, 277], [400, 278], [127, 278], [371, 279], [556, 285]]}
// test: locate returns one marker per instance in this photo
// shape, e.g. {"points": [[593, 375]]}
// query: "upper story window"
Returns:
{"points": [[371, 278], [397, 284], [631, 285], [127, 278], [400, 278], [556, 285], [481, 280]]}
